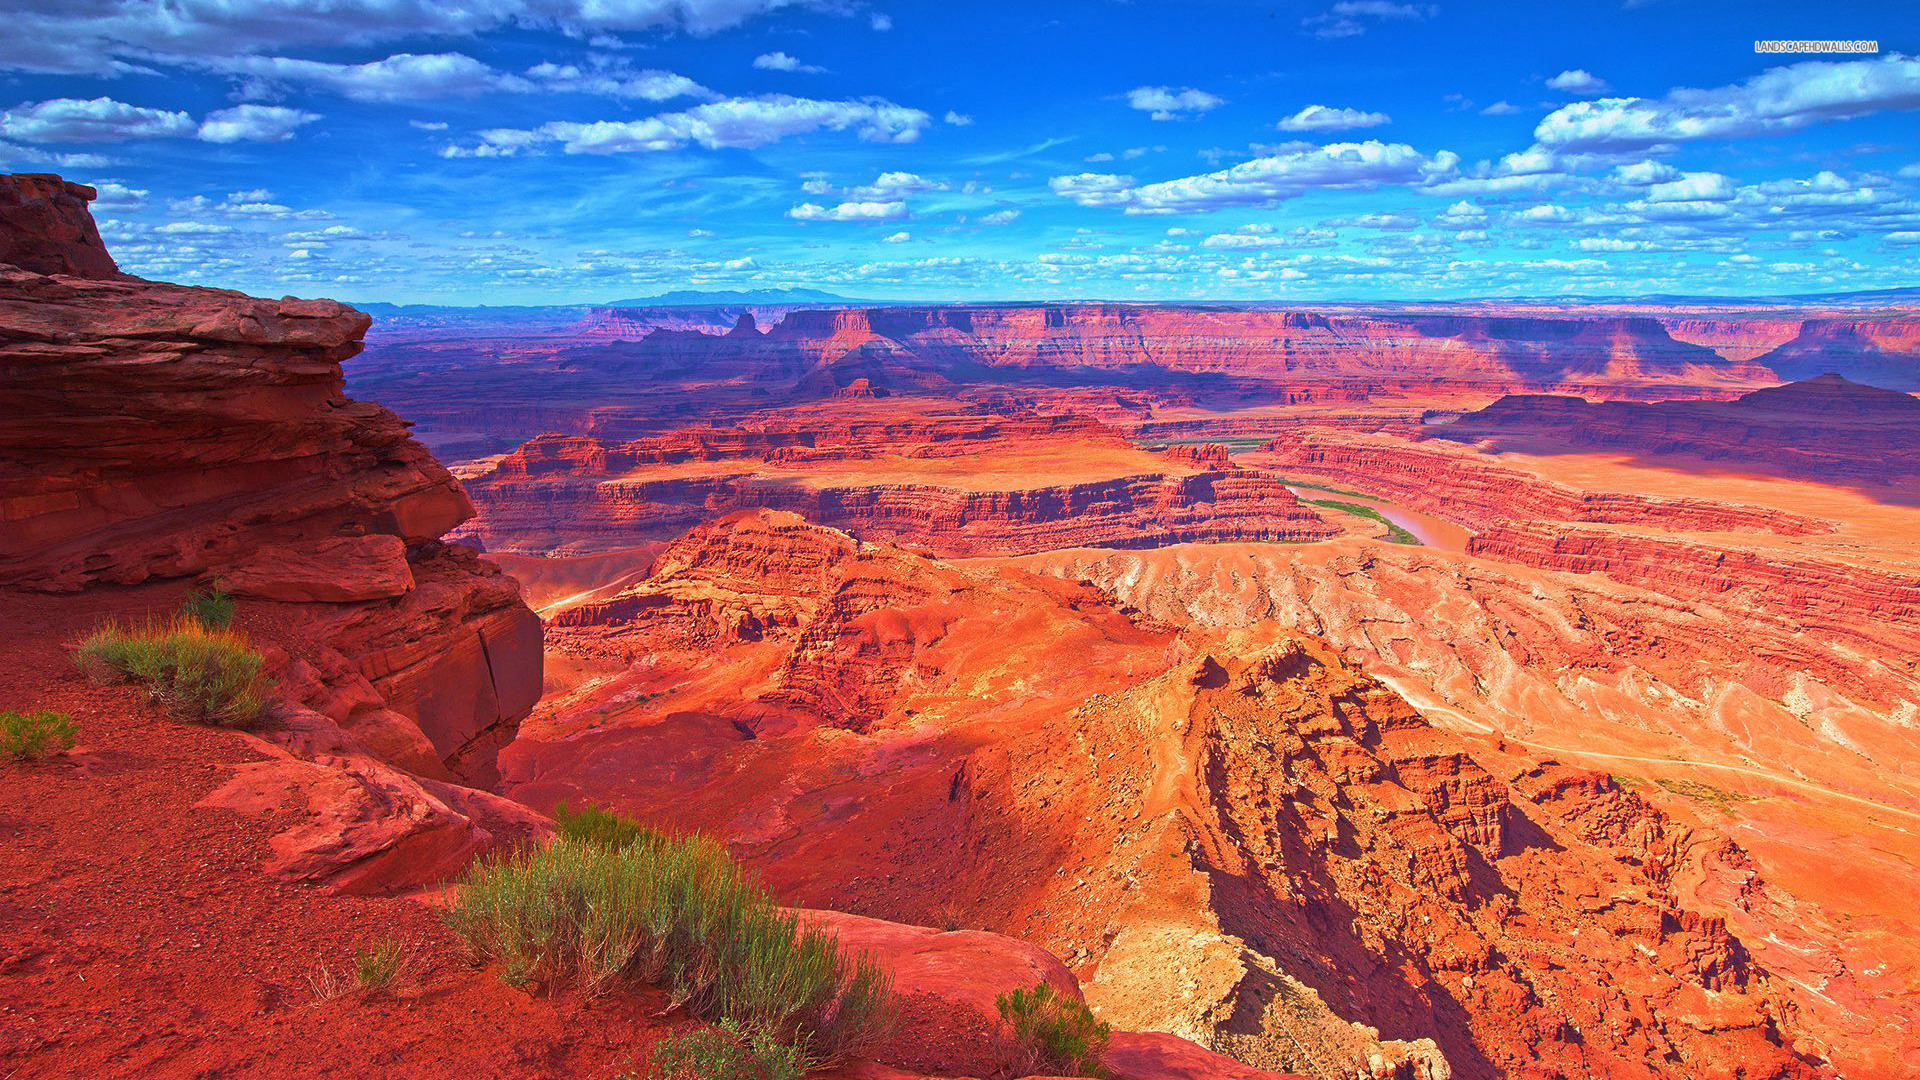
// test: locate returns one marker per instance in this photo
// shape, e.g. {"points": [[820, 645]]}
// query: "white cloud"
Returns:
{"points": [[1351, 18], [1693, 186], [1462, 215], [1577, 81], [1265, 180], [958, 119], [999, 217], [850, 211], [881, 22], [1500, 108], [614, 79], [395, 78], [92, 36], [1322, 118], [1167, 103], [780, 61], [893, 185], [738, 123], [1778, 100], [1643, 173], [62, 120], [1094, 189], [897, 238], [254, 123], [428, 125], [100, 120]]}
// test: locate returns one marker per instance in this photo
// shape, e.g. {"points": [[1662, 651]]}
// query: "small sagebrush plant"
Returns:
{"points": [[200, 674], [1046, 1032], [210, 607], [31, 736], [597, 825], [675, 912], [726, 1052]]}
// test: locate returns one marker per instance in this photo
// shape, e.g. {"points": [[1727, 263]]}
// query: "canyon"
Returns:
{"points": [[1389, 691]]}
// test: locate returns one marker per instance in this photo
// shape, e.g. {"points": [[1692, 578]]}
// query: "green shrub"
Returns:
{"points": [[725, 1053], [209, 607], [674, 912], [201, 674], [595, 824], [1047, 1032], [34, 735]]}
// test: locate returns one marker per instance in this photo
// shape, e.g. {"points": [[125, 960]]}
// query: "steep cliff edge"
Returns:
{"points": [[153, 433]]}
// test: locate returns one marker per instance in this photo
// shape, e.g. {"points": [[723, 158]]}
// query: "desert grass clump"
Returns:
{"points": [[31, 736], [677, 913], [379, 965], [596, 824], [1046, 1032], [375, 967], [210, 607], [200, 674], [726, 1052]]}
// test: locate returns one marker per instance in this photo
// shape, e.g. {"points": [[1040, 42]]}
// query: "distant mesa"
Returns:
{"points": [[1828, 427], [699, 297]]}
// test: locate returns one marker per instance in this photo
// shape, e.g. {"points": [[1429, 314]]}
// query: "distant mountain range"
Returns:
{"points": [[691, 297], [820, 298]]}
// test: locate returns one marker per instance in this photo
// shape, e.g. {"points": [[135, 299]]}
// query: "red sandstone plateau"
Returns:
{"points": [[1372, 692], [911, 472]]}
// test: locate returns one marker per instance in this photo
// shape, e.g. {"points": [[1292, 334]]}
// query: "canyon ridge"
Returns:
{"points": [[1403, 692]]}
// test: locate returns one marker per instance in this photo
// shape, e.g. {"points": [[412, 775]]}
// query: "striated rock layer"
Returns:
{"points": [[962, 484], [153, 433], [1825, 428], [1883, 351], [1232, 836]]}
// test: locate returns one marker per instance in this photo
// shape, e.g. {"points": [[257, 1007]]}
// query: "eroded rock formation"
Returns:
{"points": [[964, 484], [153, 433], [1335, 884]]}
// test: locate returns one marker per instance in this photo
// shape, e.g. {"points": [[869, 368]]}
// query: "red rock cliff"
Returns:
{"points": [[152, 432], [45, 228]]}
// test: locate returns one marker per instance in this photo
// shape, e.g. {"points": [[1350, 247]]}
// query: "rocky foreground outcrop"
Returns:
{"points": [[154, 433]]}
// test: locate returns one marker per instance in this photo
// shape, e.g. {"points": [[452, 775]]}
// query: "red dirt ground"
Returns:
{"points": [[138, 936]]}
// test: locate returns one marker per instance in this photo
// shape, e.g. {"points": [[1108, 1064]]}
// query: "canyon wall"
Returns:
{"points": [[1340, 885], [996, 486], [1826, 428], [1440, 477], [154, 434], [1882, 351]]}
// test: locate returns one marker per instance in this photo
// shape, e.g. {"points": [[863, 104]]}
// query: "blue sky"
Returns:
{"points": [[560, 151]]}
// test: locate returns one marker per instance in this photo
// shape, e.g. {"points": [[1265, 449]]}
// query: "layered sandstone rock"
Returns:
{"points": [[45, 228], [1292, 345], [153, 432], [1882, 351], [1734, 336], [477, 395], [1826, 427], [959, 485], [1479, 492], [1236, 839]]}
